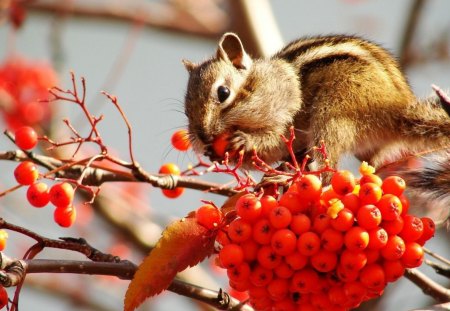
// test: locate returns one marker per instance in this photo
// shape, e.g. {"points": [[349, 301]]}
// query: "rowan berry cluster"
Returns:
{"points": [[320, 248], [38, 193]]}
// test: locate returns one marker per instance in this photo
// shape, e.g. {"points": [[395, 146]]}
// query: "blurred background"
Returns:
{"points": [[133, 49]]}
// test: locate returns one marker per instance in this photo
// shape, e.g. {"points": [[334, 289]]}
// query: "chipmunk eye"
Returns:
{"points": [[223, 93]]}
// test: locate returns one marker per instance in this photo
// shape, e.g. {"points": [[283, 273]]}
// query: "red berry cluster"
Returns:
{"points": [[23, 83], [316, 249], [38, 193]]}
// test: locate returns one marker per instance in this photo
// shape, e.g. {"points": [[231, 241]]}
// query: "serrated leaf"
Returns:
{"points": [[183, 244]]}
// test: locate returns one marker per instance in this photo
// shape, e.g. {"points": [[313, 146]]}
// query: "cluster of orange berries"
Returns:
{"points": [[38, 193], [320, 249]]}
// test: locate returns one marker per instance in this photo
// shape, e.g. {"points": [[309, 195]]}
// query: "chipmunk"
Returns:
{"points": [[343, 90]]}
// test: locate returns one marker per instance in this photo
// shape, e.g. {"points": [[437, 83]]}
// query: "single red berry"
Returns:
{"points": [[65, 215], [352, 202], [355, 291], [26, 173], [393, 185], [231, 255], [283, 270], [61, 194], [280, 217], [278, 289], [393, 270], [250, 248], [324, 261], [26, 137], [309, 187], [291, 200], [336, 294], [393, 227], [356, 239], [248, 207], [208, 216], [372, 276], [394, 249], [320, 223], [372, 255], [346, 275], [300, 223], [371, 178], [412, 228], [239, 230], [220, 144], [378, 238], [428, 230], [296, 261], [169, 168], [344, 220], [413, 256], [370, 193], [405, 204], [284, 242], [368, 217], [38, 194], [172, 193], [268, 202], [260, 276], [3, 239], [3, 297], [390, 206], [332, 240], [180, 140], [343, 182], [353, 260], [304, 281], [308, 243], [263, 231], [268, 258], [239, 273]]}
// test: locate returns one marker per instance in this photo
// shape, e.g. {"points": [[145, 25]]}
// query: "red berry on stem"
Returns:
{"points": [[26, 137], [172, 193], [368, 217], [61, 194], [65, 215], [390, 206], [413, 256], [26, 173], [169, 168], [356, 239], [220, 144], [248, 207], [208, 216], [231, 255], [239, 230], [412, 228], [284, 242], [308, 243], [38, 194], [394, 185], [309, 187], [394, 249], [180, 140], [370, 193], [343, 182]]}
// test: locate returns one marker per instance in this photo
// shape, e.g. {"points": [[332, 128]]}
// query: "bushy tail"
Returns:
{"points": [[429, 186]]}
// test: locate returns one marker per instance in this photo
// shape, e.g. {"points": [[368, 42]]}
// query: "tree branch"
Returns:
{"points": [[428, 286]]}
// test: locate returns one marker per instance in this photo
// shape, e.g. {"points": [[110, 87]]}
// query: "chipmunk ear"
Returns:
{"points": [[230, 48], [190, 66]]}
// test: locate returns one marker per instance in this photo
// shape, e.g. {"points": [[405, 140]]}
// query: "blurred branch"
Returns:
{"points": [[206, 23], [409, 31], [428, 286], [254, 22]]}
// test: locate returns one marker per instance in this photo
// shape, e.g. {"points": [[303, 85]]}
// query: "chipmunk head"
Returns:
{"points": [[228, 93]]}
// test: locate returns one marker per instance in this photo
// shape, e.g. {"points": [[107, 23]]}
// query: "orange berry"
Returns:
{"points": [[263, 231], [371, 178], [368, 217], [412, 228], [343, 182], [320, 223], [304, 280], [267, 203], [278, 289], [372, 276], [260, 276], [324, 261], [3, 297], [405, 204], [38, 194], [208, 216], [180, 140], [428, 230], [390, 206], [239, 273], [332, 240], [356, 239], [344, 220], [280, 217], [172, 193], [300, 223], [353, 260], [248, 207], [61, 194], [351, 201], [378, 238], [267, 257], [413, 256], [370, 193], [393, 185], [394, 249], [309, 187], [308, 243], [231, 255], [393, 227], [283, 270], [65, 215], [25, 137], [26, 173], [220, 144], [355, 292], [393, 270], [291, 200], [296, 261], [169, 168], [3, 239], [250, 248], [284, 242], [239, 230]]}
